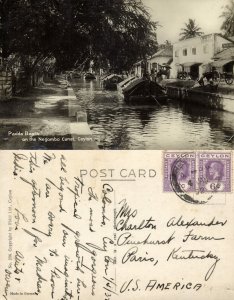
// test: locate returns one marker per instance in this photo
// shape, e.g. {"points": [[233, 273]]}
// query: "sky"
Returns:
{"points": [[172, 14]]}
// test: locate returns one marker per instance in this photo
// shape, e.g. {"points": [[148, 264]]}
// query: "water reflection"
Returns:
{"points": [[172, 126]]}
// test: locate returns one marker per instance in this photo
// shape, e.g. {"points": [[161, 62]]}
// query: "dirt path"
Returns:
{"points": [[39, 119]]}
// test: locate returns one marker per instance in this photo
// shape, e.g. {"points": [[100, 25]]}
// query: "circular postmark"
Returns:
{"points": [[180, 181]]}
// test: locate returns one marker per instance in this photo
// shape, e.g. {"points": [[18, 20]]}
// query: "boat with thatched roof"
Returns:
{"points": [[111, 81], [90, 76], [144, 91]]}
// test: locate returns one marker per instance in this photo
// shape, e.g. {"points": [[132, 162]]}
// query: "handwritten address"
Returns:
{"points": [[78, 236]]}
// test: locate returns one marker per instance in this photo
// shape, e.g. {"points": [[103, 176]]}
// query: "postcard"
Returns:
{"points": [[117, 75], [116, 225], [116, 149]]}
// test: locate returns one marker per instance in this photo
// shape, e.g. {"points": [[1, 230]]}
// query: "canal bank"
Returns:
{"points": [[82, 137], [45, 117], [221, 98]]}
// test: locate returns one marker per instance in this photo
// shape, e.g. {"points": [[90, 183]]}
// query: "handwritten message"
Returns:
{"points": [[95, 226]]}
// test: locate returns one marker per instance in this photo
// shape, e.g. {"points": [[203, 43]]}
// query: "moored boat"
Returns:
{"points": [[124, 83], [103, 77], [90, 76], [111, 81], [144, 91]]}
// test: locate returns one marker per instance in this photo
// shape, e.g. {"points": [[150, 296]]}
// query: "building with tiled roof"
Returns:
{"points": [[163, 56], [224, 60]]}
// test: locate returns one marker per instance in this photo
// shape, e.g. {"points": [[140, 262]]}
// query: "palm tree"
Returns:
{"points": [[167, 43], [191, 30], [228, 23]]}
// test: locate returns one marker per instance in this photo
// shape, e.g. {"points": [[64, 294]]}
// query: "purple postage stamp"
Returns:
{"points": [[182, 166], [214, 171]]}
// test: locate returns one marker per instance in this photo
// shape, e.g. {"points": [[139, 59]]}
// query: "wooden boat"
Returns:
{"points": [[90, 76], [111, 81], [103, 77], [124, 83], [144, 91]]}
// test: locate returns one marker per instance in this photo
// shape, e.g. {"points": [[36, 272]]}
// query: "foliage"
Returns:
{"points": [[167, 43], [190, 30], [114, 33], [29, 33], [228, 23]]}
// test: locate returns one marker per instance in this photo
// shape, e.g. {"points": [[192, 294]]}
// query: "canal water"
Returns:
{"points": [[117, 125]]}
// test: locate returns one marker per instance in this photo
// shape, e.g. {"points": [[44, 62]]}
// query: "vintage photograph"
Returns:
{"points": [[117, 74], [80, 225]]}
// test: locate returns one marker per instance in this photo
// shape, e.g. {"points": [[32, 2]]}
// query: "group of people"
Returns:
{"points": [[157, 75]]}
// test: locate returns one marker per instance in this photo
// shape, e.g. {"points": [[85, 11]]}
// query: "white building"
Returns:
{"points": [[161, 57], [194, 55]]}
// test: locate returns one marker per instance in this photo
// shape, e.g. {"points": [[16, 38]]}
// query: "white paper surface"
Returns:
{"points": [[99, 225]]}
